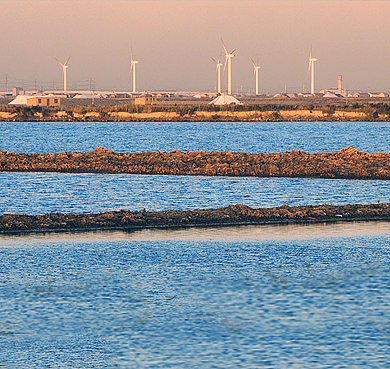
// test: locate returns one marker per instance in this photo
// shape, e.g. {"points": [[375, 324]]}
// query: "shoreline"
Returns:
{"points": [[184, 110], [348, 163], [231, 215]]}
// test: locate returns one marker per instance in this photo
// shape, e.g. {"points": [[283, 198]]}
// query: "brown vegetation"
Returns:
{"points": [[231, 215], [347, 164], [269, 112]]}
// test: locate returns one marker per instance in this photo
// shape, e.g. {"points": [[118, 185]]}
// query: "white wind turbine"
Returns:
{"points": [[133, 64], [219, 66], [256, 73], [64, 69], [311, 69], [228, 60]]}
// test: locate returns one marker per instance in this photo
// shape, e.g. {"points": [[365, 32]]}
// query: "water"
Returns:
{"points": [[307, 296], [40, 193], [242, 297], [43, 137]]}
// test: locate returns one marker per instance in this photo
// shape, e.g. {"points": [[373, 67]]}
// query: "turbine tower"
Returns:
{"points": [[133, 64], [311, 69], [228, 60], [256, 73], [219, 65], [64, 68]]}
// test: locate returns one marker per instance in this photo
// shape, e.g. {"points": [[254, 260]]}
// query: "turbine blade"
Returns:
{"points": [[254, 65], [226, 52], [214, 60], [233, 51], [224, 66], [60, 63], [66, 63]]}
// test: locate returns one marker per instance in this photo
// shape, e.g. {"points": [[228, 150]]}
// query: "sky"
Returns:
{"points": [[174, 41]]}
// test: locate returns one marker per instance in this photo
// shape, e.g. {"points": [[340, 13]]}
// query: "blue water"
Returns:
{"points": [[40, 193], [307, 296], [43, 137], [249, 297]]}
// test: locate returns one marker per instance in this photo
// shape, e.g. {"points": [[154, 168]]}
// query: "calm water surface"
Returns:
{"points": [[308, 296], [43, 137], [40, 193], [243, 297]]}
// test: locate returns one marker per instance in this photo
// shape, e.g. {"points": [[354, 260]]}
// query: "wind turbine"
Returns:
{"points": [[133, 64], [256, 73], [311, 69], [64, 68], [219, 65], [228, 60]]}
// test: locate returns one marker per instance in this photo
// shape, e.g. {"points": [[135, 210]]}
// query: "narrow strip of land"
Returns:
{"points": [[230, 215], [198, 110], [345, 164]]}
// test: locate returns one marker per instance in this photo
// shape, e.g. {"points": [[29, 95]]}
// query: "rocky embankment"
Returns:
{"points": [[231, 215], [346, 164]]}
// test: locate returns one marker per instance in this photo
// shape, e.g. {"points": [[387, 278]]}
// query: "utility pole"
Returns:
{"points": [[90, 84]]}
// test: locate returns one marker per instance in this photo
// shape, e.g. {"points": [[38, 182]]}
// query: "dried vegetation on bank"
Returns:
{"points": [[346, 164], [230, 215], [202, 112]]}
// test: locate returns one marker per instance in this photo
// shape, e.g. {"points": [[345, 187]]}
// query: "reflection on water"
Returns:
{"points": [[244, 233]]}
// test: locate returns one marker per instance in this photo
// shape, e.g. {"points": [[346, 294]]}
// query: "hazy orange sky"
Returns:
{"points": [[175, 40]]}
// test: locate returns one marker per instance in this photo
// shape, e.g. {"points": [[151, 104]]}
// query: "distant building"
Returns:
{"points": [[120, 95], [145, 100], [334, 92], [378, 94], [44, 101], [361, 94], [17, 91], [284, 96]]}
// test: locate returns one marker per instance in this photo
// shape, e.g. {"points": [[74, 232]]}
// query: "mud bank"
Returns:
{"points": [[230, 215], [346, 164]]}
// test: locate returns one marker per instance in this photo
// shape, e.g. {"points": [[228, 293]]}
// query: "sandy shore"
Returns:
{"points": [[230, 215]]}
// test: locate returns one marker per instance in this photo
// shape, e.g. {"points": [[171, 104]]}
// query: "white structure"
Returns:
{"points": [[256, 73], [48, 100], [311, 69], [87, 96], [228, 60], [133, 64], [219, 66], [339, 84], [225, 100], [20, 100], [64, 69]]}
